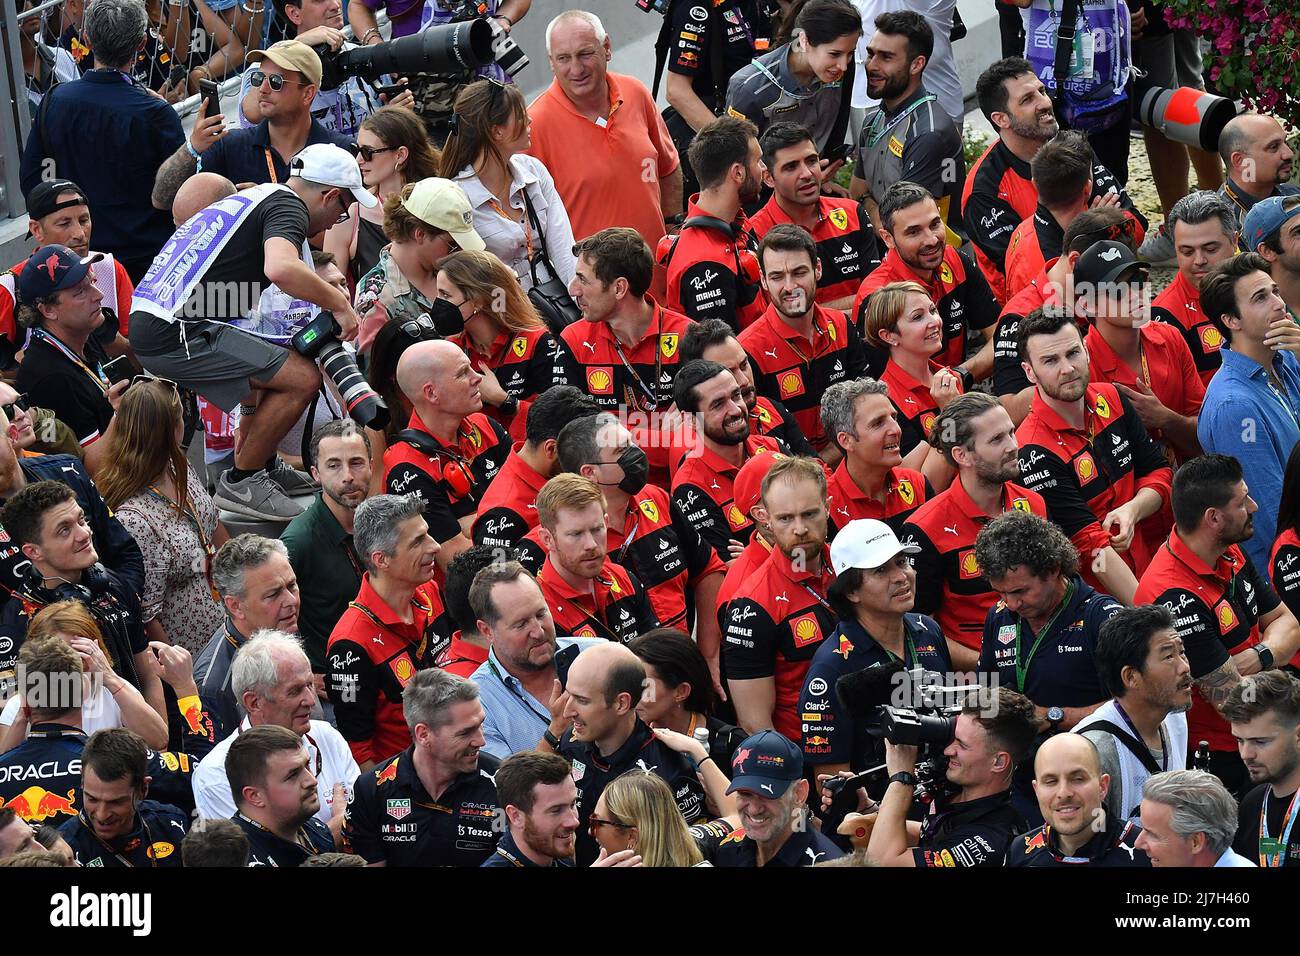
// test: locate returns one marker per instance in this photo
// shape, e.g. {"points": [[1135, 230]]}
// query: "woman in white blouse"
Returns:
{"points": [[484, 154]]}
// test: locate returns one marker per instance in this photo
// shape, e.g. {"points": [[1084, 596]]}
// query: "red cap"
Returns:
{"points": [[750, 479]]}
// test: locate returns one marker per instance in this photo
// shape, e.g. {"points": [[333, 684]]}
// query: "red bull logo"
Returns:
{"points": [[1037, 842], [388, 774], [845, 648], [819, 741], [194, 720], [36, 804]]}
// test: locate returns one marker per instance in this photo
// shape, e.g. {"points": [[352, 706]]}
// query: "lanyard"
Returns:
{"points": [[1273, 851], [1164, 743], [523, 700], [1022, 671], [125, 861], [874, 136], [909, 649], [652, 400], [815, 596], [270, 165], [303, 839], [194, 522], [96, 376], [424, 636], [350, 551], [627, 542], [596, 623]]}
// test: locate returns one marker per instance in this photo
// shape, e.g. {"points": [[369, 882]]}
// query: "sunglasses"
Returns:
{"points": [[368, 153], [420, 328], [258, 77], [595, 823], [146, 377], [21, 403], [342, 202]]}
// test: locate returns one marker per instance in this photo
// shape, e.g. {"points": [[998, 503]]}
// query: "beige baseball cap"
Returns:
{"points": [[443, 204], [291, 55]]}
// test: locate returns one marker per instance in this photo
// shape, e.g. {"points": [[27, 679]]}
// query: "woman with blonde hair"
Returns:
{"points": [[117, 704], [150, 486], [501, 333], [902, 318], [637, 811], [393, 150], [517, 209]]}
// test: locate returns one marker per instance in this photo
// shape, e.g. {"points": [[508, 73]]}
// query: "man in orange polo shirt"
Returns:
{"points": [[450, 451], [704, 483], [588, 594], [625, 348], [870, 481], [1084, 449], [1204, 230], [396, 626], [799, 348], [1148, 362], [600, 135], [846, 243], [1229, 618], [913, 229]]}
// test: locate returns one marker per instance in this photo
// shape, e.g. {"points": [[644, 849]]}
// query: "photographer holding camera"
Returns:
{"points": [[972, 822], [341, 109], [181, 324]]}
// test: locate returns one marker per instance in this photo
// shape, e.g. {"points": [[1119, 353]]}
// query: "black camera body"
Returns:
{"points": [[318, 341], [452, 49]]}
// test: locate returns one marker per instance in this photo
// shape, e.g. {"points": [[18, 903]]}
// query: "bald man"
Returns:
{"points": [[450, 451], [607, 738], [1071, 791], [1259, 162], [199, 192]]}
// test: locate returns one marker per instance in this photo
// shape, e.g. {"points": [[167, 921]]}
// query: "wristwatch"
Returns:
{"points": [[509, 406], [1265, 656], [1054, 717], [552, 741], [905, 778]]}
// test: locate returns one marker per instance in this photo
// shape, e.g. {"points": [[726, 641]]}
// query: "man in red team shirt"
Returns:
{"points": [[870, 481], [396, 626], [772, 631], [748, 481], [451, 451], [703, 486], [913, 229], [1230, 619], [588, 594], [798, 347], [1062, 176], [711, 269], [845, 242], [1148, 362], [975, 434], [1084, 449], [1204, 230]]}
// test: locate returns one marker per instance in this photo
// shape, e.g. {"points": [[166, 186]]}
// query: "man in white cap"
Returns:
{"points": [[217, 268], [432, 220], [287, 76]]}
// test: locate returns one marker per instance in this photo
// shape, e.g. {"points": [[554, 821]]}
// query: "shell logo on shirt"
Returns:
{"points": [[668, 344], [600, 380], [403, 670], [806, 630], [906, 491], [927, 423], [650, 510], [519, 346], [585, 631], [1085, 467], [1227, 617], [839, 219], [1211, 338], [968, 567], [791, 384], [735, 518]]}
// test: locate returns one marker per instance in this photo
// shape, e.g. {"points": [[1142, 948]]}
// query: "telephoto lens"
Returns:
{"points": [[1185, 115], [453, 48], [364, 405]]}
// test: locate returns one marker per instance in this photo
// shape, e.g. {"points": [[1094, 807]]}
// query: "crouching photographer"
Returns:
{"points": [[211, 278], [970, 820]]}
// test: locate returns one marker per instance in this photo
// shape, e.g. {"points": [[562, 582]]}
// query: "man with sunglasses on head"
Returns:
{"points": [[286, 77], [215, 309]]}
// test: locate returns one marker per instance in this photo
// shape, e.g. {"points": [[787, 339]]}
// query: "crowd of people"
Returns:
{"points": [[750, 484]]}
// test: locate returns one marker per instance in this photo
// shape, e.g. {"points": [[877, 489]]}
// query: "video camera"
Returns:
{"points": [[452, 49], [318, 341]]}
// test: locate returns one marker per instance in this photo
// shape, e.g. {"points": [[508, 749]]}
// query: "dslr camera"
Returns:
{"points": [[318, 341]]}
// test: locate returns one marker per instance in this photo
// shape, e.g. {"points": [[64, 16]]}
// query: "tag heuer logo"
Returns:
{"points": [[397, 809]]}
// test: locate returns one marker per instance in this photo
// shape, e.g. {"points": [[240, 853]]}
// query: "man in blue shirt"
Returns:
{"points": [[520, 684], [110, 136], [287, 76], [1252, 405]]}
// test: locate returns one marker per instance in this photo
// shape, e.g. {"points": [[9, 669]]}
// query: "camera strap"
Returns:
{"points": [[1137, 747]]}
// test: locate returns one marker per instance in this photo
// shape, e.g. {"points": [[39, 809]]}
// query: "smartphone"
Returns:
{"points": [[395, 90], [119, 370], [211, 94], [563, 661], [839, 152]]}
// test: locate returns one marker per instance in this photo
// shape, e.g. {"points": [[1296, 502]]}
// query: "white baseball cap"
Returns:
{"points": [[867, 544], [443, 205], [332, 165]]}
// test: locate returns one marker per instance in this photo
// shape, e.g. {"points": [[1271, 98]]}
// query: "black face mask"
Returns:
{"points": [[636, 469], [447, 320]]}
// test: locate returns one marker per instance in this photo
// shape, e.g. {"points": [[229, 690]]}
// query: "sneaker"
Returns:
{"points": [[291, 481], [257, 496], [1157, 248]]}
